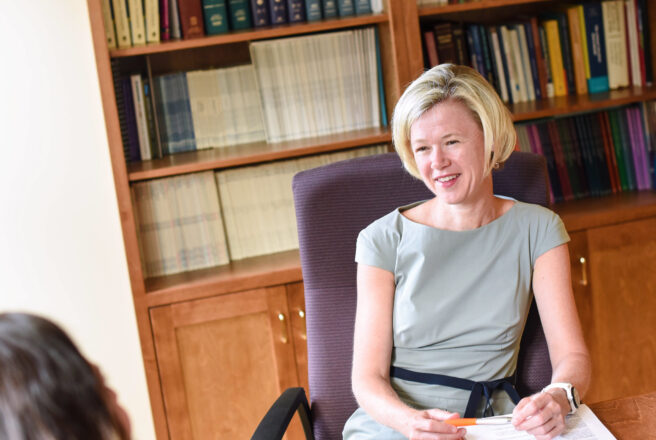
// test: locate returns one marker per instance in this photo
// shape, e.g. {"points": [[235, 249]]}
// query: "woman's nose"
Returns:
{"points": [[438, 158]]}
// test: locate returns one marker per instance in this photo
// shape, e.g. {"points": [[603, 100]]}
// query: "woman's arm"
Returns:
{"points": [[543, 414], [372, 353]]}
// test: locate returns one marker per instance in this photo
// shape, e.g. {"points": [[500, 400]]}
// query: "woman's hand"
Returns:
{"points": [[429, 424], [542, 414]]}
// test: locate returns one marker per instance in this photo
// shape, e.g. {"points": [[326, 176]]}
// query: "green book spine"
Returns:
{"points": [[362, 7], [329, 8], [623, 124], [215, 14], [313, 10], [345, 8], [240, 14], [381, 83]]}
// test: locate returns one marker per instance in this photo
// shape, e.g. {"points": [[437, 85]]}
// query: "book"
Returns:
{"points": [[296, 11], [164, 25], [174, 19], [108, 21], [140, 115], [127, 120], [313, 10], [635, 68], [329, 8], [362, 7], [458, 35], [277, 12], [176, 129], [525, 58], [260, 13], [474, 49], [609, 150], [617, 147], [552, 171], [498, 63], [559, 158], [547, 62], [430, 49], [151, 121], [566, 48], [615, 35], [346, 8], [122, 23], [215, 14], [512, 72], [574, 22], [191, 18], [558, 75], [534, 58], [596, 43], [488, 59], [644, 33], [137, 23], [446, 48], [151, 16], [240, 14]]}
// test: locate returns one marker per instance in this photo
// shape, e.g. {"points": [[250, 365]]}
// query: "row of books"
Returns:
{"points": [[137, 22], [597, 153], [206, 219], [577, 49], [297, 87]]}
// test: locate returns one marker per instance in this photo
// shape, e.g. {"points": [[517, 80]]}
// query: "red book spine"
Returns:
{"points": [[559, 157], [164, 25], [191, 18]]}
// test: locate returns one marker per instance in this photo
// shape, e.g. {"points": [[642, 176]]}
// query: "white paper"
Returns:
{"points": [[583, 425]]}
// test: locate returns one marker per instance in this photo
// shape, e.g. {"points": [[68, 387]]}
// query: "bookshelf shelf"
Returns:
{"points": [[239, 275], [250, 35], [570, 104], [426, 11], [203, 160]]}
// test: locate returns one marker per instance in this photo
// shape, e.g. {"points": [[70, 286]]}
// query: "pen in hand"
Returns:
{"points": [[497, 420]]}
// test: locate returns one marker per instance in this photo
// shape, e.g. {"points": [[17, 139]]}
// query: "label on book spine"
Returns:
{"points": [[215, 13], [296, 9]]}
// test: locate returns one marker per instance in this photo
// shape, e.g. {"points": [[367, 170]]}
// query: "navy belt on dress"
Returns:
{"points": [[477, 389]]}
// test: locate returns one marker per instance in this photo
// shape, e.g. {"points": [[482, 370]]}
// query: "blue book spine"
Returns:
{"points": [[296, 10], [278, 11], [345, 8], [566, 48], [488, 57], [215, 14], [329, 8], [475, 52], [533, 59], [240, 14], [260, 13], [313, 10], [381, 84], [362, 7], [594, 30]]}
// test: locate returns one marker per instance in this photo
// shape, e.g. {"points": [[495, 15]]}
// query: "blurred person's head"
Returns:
{"points": [[48, 390]]}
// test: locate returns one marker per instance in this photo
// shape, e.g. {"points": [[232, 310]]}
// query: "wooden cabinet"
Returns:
{"points": [[223, 360], [614, 278]]}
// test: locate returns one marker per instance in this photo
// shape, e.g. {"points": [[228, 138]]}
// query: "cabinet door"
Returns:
{"points": [[223, 361], [296, 299], [622, 262]]}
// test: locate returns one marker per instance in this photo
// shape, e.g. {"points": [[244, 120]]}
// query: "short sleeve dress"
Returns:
{"points": [[460, 304]]}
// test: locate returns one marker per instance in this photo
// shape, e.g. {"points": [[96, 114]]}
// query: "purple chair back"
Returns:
{"points": [[333, 204]]}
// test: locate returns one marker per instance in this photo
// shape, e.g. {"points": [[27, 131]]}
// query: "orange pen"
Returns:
{"points": [[496, 420]]}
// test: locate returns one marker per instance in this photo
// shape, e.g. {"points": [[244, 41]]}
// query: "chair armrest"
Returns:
{"points": [[275, 422]]}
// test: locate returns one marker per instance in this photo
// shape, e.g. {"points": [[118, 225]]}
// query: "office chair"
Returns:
{"points": [[333, 204]]}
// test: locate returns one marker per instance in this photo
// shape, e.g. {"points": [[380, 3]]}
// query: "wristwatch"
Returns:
{"points": [[572, 394]]}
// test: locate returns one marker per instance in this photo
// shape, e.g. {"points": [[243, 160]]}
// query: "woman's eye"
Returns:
{"points": [[420, 149], [452, 142]]}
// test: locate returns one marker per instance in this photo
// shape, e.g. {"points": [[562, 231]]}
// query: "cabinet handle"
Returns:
{"points": [[283, 322], [584, 271], [301, 314]]}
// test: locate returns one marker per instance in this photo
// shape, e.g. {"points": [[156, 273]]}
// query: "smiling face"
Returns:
{"points": [[448, 148]]}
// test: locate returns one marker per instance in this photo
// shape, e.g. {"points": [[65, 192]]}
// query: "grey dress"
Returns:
{"points": [[460, 303]]}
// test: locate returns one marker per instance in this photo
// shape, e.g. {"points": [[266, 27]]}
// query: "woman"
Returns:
{"points": [[48, 391], [444, 285]]}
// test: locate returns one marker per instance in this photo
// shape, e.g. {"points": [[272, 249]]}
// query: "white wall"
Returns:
{"points": [[61, 251]]}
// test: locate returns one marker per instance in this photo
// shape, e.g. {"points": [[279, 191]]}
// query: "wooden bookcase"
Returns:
{"points": [[192, 322]]}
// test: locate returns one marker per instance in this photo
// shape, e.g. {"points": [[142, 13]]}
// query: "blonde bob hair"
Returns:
{"points": [[464, 84]]}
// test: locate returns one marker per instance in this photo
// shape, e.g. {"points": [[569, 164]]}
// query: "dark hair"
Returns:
{"points": [[48, 390]]}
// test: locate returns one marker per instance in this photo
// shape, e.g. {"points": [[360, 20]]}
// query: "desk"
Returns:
{"points": [[629, 418]]}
